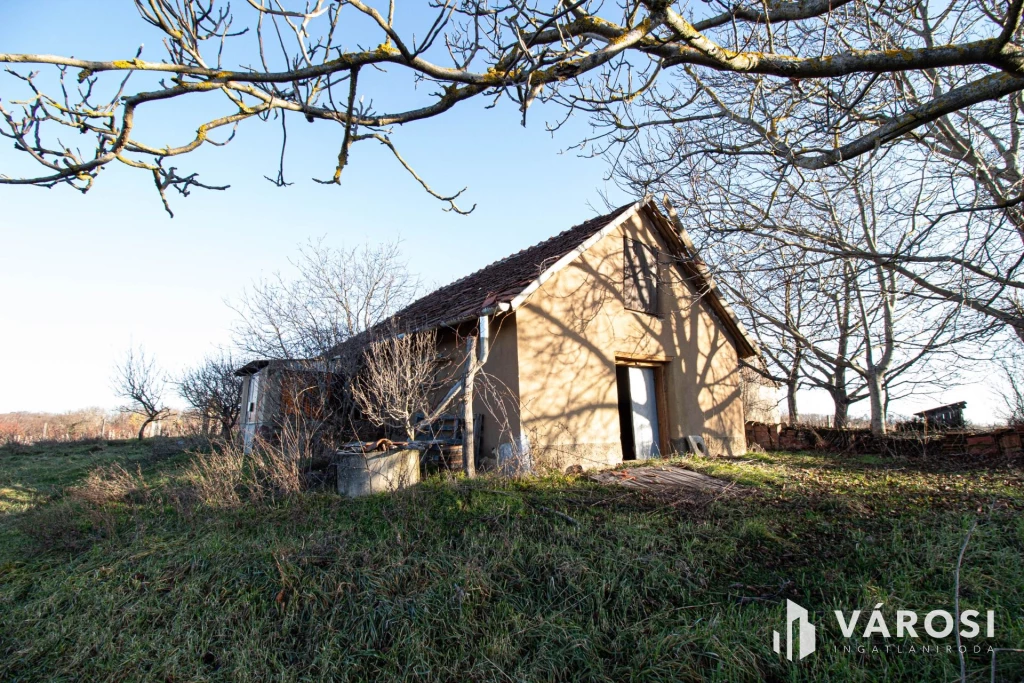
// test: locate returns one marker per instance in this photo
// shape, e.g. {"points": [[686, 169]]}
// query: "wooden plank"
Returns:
{"points": [[662, 478]]}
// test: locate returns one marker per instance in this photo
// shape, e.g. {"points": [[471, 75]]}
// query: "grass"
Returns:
{"points": [[31, 475], [456, 580]]}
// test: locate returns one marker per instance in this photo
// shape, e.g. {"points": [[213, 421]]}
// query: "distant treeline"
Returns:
{"points": [[92, 423]]}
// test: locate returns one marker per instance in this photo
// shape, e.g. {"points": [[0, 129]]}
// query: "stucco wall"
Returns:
{"points": [[573, 328], [496, 389]]}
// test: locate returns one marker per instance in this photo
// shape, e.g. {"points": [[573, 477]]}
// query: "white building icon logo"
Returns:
{"points": [[804, 634]]}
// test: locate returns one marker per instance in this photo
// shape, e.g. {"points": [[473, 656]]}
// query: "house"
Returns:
{"points": [[604, 343]]}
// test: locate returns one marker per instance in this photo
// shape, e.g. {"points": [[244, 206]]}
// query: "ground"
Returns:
{"points": [[552, 578]]}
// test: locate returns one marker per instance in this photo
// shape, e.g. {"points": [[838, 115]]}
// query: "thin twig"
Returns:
{"points": [[956, 599]]}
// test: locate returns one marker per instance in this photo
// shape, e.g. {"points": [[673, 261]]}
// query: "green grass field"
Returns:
{"points": [[481, 580]]}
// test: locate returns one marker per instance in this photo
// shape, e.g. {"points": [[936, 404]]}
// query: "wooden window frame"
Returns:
{"points": [[653, 282]]}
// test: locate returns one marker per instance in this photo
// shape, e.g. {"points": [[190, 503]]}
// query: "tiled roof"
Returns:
{"points": [[499, 282]]}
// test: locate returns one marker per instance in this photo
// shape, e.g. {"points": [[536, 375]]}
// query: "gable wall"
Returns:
{"points": [[569, 334]]}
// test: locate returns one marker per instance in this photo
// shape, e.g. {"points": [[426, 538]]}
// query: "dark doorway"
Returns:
{"points": [[625, 412], [639, 390]]}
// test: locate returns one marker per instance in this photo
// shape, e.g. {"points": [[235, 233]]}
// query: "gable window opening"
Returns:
{"points": [[640, 277]]}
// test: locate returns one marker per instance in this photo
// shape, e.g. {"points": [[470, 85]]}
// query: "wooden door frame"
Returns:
{"points": [[660, 364]]}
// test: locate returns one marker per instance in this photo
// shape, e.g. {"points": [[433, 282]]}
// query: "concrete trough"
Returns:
{"points": [[363, 474]]}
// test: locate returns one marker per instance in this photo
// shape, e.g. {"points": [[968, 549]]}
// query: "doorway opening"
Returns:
{"points": [[639, 417]]}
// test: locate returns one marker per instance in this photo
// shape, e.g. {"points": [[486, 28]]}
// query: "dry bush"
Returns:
{"points": [[398, 378], [227, 476], [274, 473], [216, 476], [109, 483], [8, 435]]}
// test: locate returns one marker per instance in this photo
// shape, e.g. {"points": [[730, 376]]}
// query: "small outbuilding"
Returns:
{"points": [[945, 417]]}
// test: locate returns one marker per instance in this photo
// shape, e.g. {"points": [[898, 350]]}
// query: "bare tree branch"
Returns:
{"points": [[846, 63], [139, 380]]}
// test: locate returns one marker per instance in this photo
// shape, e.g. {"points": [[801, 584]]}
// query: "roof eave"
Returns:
{"points": [[746, 347], [571, 256]]}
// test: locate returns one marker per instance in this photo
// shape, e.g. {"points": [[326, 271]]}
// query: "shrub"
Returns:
{"points": [[217, 476]]}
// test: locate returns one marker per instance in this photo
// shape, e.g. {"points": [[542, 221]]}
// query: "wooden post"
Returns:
{"points": [[468, 442]]}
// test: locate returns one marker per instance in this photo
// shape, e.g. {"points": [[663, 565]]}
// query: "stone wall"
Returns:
{"points": [[992, 442]]}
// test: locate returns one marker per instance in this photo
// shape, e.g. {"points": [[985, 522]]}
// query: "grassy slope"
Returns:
{"points": [[455, 581]]}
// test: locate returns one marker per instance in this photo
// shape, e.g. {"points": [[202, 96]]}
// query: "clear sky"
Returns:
{"points": [[83, 277]]}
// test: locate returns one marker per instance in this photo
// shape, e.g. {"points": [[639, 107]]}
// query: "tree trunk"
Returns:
{"points": [[794, 416], [842, 414], [468, 437], [142, 429], [840, 398], [875, 384]]}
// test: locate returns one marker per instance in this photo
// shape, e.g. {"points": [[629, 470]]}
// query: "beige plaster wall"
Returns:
{"points": [[496, 388], [573, 328]]}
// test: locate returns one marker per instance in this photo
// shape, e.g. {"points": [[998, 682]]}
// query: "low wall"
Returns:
{"points": [[987, 443], [362, 474]]}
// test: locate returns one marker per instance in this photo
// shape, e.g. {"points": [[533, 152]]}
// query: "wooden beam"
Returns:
{"points": [[661, 398], [642, 358]]}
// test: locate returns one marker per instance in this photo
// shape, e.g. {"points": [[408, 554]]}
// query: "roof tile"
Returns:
{"points": [[499, 282]]}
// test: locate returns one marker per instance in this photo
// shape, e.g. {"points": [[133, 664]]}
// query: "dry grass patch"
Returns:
{"points": [[110, 483], [227, 476]]}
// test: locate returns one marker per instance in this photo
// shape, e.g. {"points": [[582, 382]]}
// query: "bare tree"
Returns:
{"points": [[214, 390], [333, 294], [398, 380], [826, 75], [140, 381], [798, 304], [771, 132], [794, 265], [1013, 392]]}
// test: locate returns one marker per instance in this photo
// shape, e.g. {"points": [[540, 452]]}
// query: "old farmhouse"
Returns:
{"points": [[604, 343]]}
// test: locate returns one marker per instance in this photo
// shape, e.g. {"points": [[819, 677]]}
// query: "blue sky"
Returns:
{"points": [[83, 277]]}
